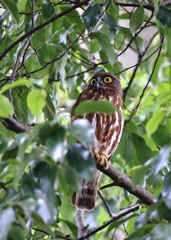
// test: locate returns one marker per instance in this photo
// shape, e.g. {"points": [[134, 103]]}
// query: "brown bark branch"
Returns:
{"points": [[82, 229], [115, 217], [145, 5], [15, 125], [121, 180]]}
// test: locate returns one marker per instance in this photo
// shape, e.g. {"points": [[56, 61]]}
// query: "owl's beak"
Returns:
{"points": [[98, 83]]}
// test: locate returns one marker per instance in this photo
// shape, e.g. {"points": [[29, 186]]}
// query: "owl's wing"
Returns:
{"points": [[87, 198]]}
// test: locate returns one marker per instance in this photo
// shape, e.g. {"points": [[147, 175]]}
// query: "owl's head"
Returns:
{"points": [[104, 79]]}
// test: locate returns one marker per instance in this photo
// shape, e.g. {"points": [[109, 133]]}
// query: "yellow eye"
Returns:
{"points": [[93, 81], [107, 80]]}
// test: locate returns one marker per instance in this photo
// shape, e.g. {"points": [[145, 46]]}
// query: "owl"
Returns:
{"points": [[108, 130]]}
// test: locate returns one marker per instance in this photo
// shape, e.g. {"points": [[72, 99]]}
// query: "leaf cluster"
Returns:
{"points": [[48, 52]]}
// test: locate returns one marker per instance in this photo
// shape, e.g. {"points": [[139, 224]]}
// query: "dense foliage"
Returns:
{"points": [[48, 52]]}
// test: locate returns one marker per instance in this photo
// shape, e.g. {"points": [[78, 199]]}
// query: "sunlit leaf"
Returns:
{"points": [[89, 106], [36, 101], [16, 84], [6, 109], [154, 122]]}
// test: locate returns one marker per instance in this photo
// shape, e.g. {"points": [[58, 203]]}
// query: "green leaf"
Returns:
{"points": [[82, 130], [12, 8], [140, 232], [164, 16], [72, 227], [39, 37], [43, 54], [47, 10], [167, 42], [46, 176], [36, 101], [166, 193], [143, 152], [164, 97], [61, 69], [139, 176], [41, 222], [155, 180], [5, 132], [136, 19], [6, 109], [118, 223], [7, 217], [162, 231], [91, 16], [56, 144], [71, 177], [89, 106], [161, 136], [154, 122], [81, 160], [110, 22], [126, 148], [107, 47], [21, 82]]}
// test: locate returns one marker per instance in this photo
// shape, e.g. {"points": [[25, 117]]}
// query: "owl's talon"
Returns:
{"points": [[102, 160]]}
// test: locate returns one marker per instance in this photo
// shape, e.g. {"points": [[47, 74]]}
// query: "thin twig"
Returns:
{"points": [[3, 186], [107, 186], [105, 203], [56, 235], [24, 47], [116, 217], [143, 92]]}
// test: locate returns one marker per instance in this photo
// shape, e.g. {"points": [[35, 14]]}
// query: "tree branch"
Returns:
{"points": [[115, 217], [82, 229], [15, 125], [122, 180], [145, 5]]}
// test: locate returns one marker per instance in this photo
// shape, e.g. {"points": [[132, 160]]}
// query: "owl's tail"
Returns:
{"points": [[87, 198]]}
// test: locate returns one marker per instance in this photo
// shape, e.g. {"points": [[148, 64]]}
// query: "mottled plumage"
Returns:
{"points": [[108, 130]]}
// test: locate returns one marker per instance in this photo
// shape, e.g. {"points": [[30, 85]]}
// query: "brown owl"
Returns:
{"points": [[108, 130]]}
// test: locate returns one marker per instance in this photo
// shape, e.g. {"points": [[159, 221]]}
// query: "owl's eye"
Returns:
{"points": [[93, 81], [107, 80]]}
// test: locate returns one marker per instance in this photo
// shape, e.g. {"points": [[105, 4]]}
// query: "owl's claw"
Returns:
{"points": [[102, 160]]}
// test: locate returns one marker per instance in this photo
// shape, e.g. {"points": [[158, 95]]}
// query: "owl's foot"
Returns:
{"points": [[102, 160]]}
